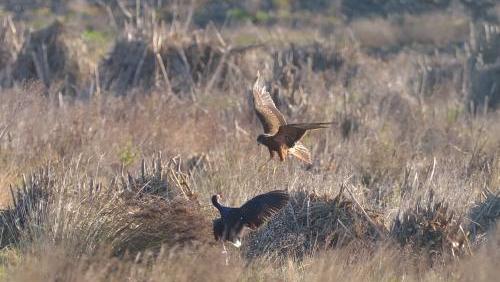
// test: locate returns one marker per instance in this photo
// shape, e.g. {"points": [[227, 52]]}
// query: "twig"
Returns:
{"points": [[186, 64], [164, 72], [14, 32], [466, 240], [38, 68], [217, 71], [239, 129], [218, 35], [432, 171], [189, 17], [139, 66], [174, 177], [124, 9], [11, 25], [97, 81], [109, 11], [138, 13]]}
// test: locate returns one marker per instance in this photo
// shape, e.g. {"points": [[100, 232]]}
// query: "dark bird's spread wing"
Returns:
{"points": [[292, 133], [259, 209], [270, 117]]}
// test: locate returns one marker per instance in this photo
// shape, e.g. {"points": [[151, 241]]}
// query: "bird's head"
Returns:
{"points": [[261, 139]]}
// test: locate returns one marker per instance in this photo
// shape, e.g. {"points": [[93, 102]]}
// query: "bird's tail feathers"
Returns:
{"points": [[301, 152], [312, 125]]}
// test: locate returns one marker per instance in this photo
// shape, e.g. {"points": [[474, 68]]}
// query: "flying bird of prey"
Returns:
{"points": [[280, 137], [255, 212]]}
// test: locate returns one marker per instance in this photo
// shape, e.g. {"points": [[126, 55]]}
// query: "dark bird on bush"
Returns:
{"points": [[280, 137], [255, 212]]}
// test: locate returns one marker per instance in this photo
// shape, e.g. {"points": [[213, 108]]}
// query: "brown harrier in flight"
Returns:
{"points": [[279, 136]]}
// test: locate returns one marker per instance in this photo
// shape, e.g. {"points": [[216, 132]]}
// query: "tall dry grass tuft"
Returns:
{"points": [[28, 211]]}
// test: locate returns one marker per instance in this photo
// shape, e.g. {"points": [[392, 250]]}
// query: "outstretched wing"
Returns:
{"points": [[290, 134], [259, 209], [270, 117]]}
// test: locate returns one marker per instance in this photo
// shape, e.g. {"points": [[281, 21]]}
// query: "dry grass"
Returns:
{"points": [[404, 186]]}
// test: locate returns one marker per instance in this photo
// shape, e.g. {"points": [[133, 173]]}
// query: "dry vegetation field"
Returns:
{"points": [[119, 120]]}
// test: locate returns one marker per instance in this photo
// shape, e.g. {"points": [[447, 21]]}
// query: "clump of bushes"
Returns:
{"points": [[137, 214], [312, 222], [178, 64], [161, 210]]}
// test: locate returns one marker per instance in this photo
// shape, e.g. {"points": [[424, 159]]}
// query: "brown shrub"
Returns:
{"points": [[430, 228], [142, 214], [45, 56], [179, 65], [312, 223], [161, 210]]}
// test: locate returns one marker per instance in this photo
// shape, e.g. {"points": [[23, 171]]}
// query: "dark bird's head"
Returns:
{"points": [[261, 139]]}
